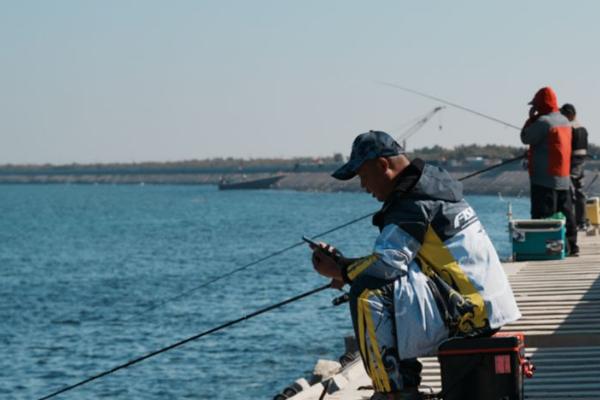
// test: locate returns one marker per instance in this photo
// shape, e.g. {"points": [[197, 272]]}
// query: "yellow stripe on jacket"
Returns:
{"points": [[357, 267], [439, 258]]}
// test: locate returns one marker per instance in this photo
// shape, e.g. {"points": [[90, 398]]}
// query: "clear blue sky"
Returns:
{"points": [[106, 81]]}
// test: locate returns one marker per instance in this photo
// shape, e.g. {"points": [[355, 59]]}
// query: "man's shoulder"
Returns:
{"points": [[403, 210], [543, 122], [436, 184], [555, 119], [404, 204]]}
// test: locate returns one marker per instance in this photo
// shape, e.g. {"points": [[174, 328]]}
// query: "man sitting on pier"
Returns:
{"points": [[433, 273]]}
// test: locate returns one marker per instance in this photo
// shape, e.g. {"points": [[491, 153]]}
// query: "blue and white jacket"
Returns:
{"points": [[448, 278]]}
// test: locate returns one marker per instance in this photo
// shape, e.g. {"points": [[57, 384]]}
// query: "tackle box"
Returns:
{"points": [[538, 239], [489, 368]]}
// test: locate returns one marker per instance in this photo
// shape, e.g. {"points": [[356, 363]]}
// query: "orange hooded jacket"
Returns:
{"points": [[548, 135]]}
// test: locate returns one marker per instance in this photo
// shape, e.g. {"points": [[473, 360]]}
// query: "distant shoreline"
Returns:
{"points": [[510, 183], [508, 180]]}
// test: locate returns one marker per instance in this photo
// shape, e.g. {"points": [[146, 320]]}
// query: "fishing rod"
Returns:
{"points": [[449, 103], [493, 167], [184, 341], [297, 244], [246, 266], [274, 306], [290, 247], [244, 318]]}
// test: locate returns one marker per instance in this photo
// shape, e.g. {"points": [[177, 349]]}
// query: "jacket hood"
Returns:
{"points": [[545, 101], [436, 184], [422, 182], [426, 182]]}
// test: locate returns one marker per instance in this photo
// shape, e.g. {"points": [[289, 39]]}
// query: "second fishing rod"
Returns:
{"points": [[276, 253], [177, 344], [158, 303], [182, 342]]}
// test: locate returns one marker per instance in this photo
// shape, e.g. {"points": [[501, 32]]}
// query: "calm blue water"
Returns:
{"points": [[78, 264]]}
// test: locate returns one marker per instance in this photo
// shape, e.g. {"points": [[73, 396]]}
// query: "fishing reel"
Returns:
{"points": [[341, 299]]}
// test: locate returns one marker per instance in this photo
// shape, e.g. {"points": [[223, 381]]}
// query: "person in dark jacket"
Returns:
{"points": [[433, 272], [548, 134], [578, 155]]}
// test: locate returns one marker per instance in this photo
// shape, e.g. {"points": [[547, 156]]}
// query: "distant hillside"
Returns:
{"points": [[458, 153], [464, 152], [463, 158], [211, 166], [489, 151]]}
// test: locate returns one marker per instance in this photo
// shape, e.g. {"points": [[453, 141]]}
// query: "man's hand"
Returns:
{"points": [[533, 113], [533, 116], [337, 284], [325, 263]]}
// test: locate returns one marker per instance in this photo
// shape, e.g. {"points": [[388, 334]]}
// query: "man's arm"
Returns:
{"points": [[533, 133], [396, 246], [394, 249]]}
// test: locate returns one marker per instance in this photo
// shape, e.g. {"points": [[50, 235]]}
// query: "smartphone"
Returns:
{"points": [[336, 255], [311, 242]]}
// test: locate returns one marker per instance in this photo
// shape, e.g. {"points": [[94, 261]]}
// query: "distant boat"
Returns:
{"points": [[262, 183]]}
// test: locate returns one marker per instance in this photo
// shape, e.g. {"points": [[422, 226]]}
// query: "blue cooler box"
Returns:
{"points": [[538, 239]]}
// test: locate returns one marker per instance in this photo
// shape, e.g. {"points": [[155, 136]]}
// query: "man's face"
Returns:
{"points": [[373, 178]]}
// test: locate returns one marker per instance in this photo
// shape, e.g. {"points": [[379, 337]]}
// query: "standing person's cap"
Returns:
{"points": [[367, 146], [568, 108]]}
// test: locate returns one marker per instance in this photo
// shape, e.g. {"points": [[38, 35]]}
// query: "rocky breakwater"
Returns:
{"points": [[507, 183]]}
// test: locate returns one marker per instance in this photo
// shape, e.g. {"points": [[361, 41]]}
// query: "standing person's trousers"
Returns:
{"points": [[578, 194], [546, 201]]}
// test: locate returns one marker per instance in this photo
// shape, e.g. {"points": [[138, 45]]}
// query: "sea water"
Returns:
{"points": [[94, 276]]}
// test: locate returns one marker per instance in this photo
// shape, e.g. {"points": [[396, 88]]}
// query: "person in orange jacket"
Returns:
{"points": [[548, 134]]}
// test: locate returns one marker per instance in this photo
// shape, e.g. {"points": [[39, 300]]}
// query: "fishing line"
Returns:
{"points": [[300, 243], [276, 253], [184, 341], [293, 246], [244, 318], [243, 267], [492, 167], [246, 266], [449, 103]]}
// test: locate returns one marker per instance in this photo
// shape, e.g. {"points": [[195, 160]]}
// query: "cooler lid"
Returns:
{"points": [[494, 344], [537, 224]]}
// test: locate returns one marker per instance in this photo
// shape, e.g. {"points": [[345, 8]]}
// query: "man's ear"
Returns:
{"points": [[383, 164]]}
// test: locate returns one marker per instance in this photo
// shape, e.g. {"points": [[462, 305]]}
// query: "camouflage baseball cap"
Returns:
{"points": [[367, 146]]}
